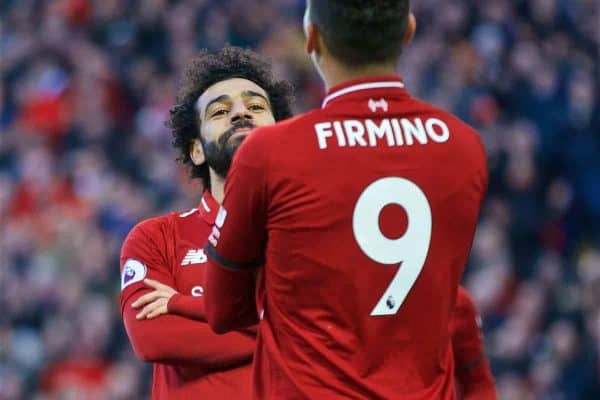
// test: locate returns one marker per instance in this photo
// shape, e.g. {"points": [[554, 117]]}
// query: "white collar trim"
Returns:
{"points": [[362, 86], [205, 205]]}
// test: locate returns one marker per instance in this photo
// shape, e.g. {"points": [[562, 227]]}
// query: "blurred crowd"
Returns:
{"points": [[85, 89]]}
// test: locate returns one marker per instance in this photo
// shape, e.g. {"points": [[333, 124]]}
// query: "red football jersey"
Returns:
{"points": [[363, 213], [190, 360], [475, 379]]}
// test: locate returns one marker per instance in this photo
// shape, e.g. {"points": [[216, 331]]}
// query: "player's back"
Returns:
{"points": [[374, 180]]}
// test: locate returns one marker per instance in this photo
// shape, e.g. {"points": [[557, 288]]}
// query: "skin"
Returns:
{"points": [[219, 107]]}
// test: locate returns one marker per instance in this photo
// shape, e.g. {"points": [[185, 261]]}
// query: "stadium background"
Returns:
{"points": [[84, 155]]}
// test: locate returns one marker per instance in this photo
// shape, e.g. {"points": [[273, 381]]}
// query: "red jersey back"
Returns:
{"points": [[364, 213], [190, 360]]}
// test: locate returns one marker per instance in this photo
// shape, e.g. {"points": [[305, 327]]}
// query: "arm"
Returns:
{"points": [[472, 367], [166, 300], [187, 306], [232, 305], [188, 341], [236, 247], [172, 339]]}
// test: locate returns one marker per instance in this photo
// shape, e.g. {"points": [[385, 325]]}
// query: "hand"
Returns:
{"points": [[155, 302]]}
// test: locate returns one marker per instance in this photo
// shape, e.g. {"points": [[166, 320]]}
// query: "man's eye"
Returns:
{"points": [[256, 107], [219, 113]]}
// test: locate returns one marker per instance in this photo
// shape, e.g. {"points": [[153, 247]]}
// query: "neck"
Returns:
{"points": [[217, 187], [334, 73]]}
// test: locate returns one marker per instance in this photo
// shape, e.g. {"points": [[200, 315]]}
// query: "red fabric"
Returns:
{"points": [[188, 356], [187, 306], [33, 201], [23, 202], [78, 12], [291, 201], [49, 115], [473, 373], [85, 377]]}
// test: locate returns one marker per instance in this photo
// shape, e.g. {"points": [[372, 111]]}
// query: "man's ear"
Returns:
{"points": [[312, 39], [197, 152], [411, 29]]}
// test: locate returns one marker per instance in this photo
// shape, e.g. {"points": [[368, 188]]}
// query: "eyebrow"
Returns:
{"points": [[251, 93], [224, 98], [221, 99]]}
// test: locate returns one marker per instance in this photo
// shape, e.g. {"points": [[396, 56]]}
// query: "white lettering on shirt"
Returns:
{"points": [[323, 132], [444, 133], [385, 132], [355, 131], [413, 131]]}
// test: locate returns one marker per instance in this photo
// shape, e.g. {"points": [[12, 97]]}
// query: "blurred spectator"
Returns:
{"points": [[85, 88]]}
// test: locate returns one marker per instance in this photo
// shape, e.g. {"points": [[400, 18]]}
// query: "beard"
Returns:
{"points": [[219, 153]]}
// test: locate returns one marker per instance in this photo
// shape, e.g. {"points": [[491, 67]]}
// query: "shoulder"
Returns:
{"points": [[257, 145], [447, 116], [466, 133], [164, 225], [150, 227], [260, 145], [148, 233], [429, 110], [278, 131]]}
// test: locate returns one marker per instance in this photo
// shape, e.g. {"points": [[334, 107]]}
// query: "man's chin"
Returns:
{"points": [[236, 140]]}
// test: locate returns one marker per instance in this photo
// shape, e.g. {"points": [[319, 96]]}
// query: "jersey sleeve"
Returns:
{"points": [[236, 246], [190, 342], [472, 367], [187, 306], [143, 256]]}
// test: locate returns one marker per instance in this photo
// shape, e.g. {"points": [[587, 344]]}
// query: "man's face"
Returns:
{"points": [[228, 111]]}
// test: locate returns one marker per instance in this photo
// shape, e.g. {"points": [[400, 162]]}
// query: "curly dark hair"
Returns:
{"points": [[205, 70]]}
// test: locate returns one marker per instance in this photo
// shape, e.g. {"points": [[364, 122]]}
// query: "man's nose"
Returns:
{"points": [[240, 112]]}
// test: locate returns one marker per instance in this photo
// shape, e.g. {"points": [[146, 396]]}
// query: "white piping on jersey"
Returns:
{"points": [[188, 213], [206, 207], [362, 86]]}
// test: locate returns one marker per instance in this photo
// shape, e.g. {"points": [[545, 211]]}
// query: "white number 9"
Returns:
{"points": [[410, 250]]}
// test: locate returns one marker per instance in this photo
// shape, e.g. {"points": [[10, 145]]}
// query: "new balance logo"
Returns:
{"points": [[194, 257], [381, 103]]}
